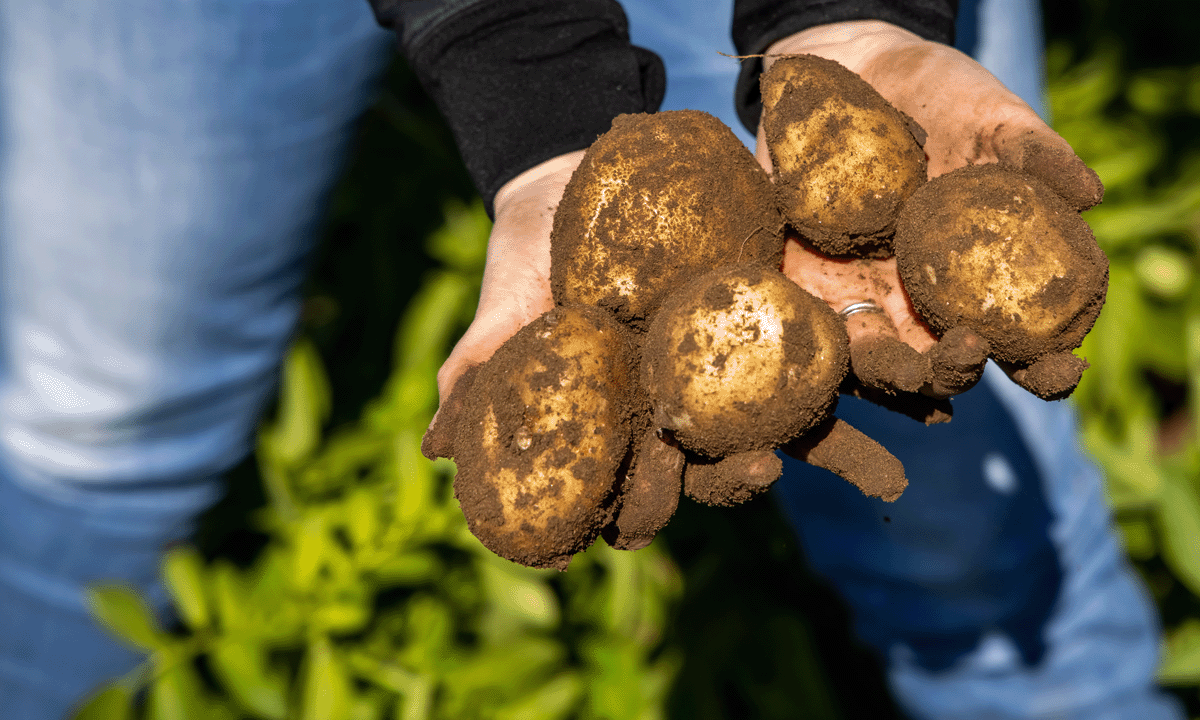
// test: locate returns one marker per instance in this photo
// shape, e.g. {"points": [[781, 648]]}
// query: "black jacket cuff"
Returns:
{"points": [[758, 23]]}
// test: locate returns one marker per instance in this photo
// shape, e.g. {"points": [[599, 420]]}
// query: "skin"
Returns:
{"points": [[970, 117]]}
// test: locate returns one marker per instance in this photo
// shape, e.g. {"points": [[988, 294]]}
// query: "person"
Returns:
{"points": [[162, 169]]}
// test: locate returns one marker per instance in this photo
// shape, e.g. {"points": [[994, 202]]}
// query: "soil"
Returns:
{"points": [[1052, 377], [957, 361], [649, 494], [439, 438], [887, 364], [843, 450], [732, 480]]}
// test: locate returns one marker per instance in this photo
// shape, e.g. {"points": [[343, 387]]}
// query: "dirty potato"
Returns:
{"points": [[844, 158], [542, 435], [659, 200], [993, 249]]}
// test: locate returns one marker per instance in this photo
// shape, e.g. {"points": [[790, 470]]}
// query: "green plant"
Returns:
{"points": [[371, 600], [1137, 402]]}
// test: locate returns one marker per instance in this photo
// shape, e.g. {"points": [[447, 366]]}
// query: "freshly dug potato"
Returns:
{"points": [[995, 250], [659, 200], [742, 359], [542, 434], [844, 158]]}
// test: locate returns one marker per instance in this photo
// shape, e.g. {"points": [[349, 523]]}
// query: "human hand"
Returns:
{"points": [[516, 277], [969, 118]]}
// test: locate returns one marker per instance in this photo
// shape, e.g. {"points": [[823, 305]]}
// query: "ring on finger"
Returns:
{"points": [[861, 306]]}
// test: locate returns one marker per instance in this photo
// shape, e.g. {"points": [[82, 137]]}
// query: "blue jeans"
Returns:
{"points": [[995, 588], [163, 167]]}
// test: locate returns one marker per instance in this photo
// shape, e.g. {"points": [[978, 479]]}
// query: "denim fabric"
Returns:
{"points": [[163, 166], [995, 586]]}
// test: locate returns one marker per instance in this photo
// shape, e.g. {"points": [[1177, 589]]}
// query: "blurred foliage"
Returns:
{"points": [[1137, 401], [371, 600]]}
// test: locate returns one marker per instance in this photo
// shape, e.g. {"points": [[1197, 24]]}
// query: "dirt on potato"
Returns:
{"points": [[995, 250], [742, 359], [844, 158], [543, 434], [659, 200]]}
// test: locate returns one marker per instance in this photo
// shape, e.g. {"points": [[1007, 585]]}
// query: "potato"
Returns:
{"points": [[993, 249], [542, 435], [742, 359], [659, 200], [844, 158]]}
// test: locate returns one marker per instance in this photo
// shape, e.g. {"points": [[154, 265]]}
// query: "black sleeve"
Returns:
{"points": [[521, 81], [758, 23]]}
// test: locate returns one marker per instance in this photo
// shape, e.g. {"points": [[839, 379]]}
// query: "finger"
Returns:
{"points": [[1051, 377], [919, 407], [732, 480], [956, 362], [1040, 152], [838, 447], [878, 357], [649, 495], [762, 151], [439, 438]]}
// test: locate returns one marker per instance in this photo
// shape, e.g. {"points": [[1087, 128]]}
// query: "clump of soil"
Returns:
{"points": [[649, 494], [844, 158], [659, 200], [732, 480]]}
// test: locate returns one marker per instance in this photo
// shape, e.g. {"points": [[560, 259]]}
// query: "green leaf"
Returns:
{"points": [[232, 598], [112, 702], [519, 594], [462, 240], [1138, 538], [555, 700], [1158, 91], [1181, 660], [1179, 528], [1165, 271], [176, 693], [120, 609], [183, 572], [326, 689], [304, 404], [430, 320], [241, 666], [414, 486], [310, 542], [411, 568], [362, 516]]}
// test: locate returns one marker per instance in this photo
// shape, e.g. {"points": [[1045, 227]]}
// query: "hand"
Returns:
{"points": [[516, 277], [969, 116]]}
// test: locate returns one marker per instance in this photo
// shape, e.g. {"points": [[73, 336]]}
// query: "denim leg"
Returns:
{"points": [[163, 166], [995, 587]]}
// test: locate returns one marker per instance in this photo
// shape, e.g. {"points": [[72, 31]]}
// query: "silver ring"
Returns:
{"points": [[864, 306]]}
